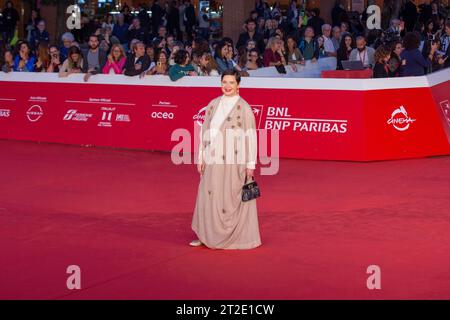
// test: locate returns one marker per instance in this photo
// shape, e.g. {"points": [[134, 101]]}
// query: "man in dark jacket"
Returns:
{"points": [[308, 45], [94, 58], [138, 62], [425, 11], [39, 35], [410, 15], [189, 18], [157, 14], [10, 19], [173, 19], [143, 16], [136, 31], [251, 34], [120, 30], [316, 21], [338, 14]]}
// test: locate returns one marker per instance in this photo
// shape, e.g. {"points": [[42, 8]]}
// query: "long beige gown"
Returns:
{"points": [[221, 219]]}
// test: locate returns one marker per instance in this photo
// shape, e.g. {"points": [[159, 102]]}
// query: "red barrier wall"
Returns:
{"points": [[330, 119]]}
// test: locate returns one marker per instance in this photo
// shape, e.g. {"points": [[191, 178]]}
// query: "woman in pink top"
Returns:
{"points": [[116, 60]]}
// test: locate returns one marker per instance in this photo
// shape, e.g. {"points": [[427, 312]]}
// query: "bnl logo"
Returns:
{"points": [[74, 20]]}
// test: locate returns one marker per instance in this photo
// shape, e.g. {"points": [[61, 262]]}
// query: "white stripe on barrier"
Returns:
{"points": [[249, 82]]}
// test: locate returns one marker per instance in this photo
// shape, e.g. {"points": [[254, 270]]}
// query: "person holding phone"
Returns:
{"points": [[73, 64], [162, 64], [55, 59]]}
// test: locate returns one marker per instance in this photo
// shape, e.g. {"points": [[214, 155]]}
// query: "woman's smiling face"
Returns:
{"points": [[230, 86]]}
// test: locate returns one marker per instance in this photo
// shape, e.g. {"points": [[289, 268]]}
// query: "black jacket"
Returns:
{"points": [[130, 65], [37, 37], [380, 70], [258, 38], [157, 14], [101, 59], [140, 34], [316, 23], [410, 15], [190, 16], [10, 17]]}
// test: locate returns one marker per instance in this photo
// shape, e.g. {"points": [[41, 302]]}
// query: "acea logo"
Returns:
{"points": [[35, 113], [400, 119]]}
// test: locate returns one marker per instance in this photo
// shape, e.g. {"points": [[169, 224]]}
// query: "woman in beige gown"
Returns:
{"points": [[221, 219]]}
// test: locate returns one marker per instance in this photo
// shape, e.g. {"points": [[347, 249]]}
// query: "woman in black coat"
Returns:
{"points": [[381, 68]]}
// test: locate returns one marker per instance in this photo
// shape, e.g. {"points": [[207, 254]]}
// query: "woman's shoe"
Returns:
{"points": [[196, 243]]}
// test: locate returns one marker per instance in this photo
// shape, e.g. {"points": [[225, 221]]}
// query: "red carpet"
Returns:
{"points": [[124, 218]]}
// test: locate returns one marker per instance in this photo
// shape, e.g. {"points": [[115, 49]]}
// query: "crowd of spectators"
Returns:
{"points": [[177, 41]]}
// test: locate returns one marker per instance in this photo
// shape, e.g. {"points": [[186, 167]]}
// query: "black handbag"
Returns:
{"points": [[250, 191], [281, 69]]}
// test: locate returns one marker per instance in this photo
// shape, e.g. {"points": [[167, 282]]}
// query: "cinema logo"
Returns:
{"points": [[400, 119], [200, 116], [278, 118]]}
